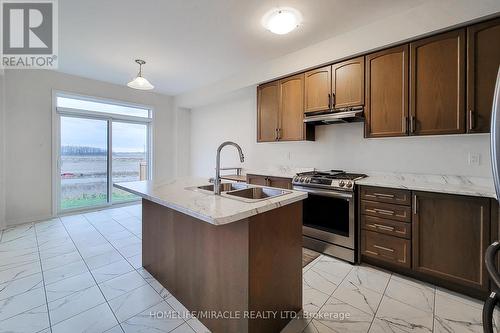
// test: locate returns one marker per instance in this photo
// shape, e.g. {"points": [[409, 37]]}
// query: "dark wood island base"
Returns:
{"points": [[250, 269]]}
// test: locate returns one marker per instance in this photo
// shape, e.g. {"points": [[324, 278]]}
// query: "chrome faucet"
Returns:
{"points": [[217, 163]]}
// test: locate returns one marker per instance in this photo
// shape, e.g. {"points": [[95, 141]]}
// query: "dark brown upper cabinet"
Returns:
{"points": [[318, 89], [450, 236], [280, 115], [386, 107], [348, 83], [268, 103], [437, 84], [483, 60]]}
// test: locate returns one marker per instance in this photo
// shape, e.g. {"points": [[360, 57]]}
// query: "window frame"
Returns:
{"points": [[58, 112]]}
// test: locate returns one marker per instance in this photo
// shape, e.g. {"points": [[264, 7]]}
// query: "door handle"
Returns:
{"points": [[329, 101], [276, 138], [413, 124], [333, 100], [383, 227], [383, 195], [472, 123]]}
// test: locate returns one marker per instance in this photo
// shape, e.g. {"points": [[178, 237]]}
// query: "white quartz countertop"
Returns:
{"points": [[204, 205], [473, 186]]}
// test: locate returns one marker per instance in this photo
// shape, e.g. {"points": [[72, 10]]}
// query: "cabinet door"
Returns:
{"points": [[386, 110], [348, 83], [318, 89], [257, 180], [450, 235], [279, 182], [292, 108], [483, 59], [437, 81], [267, 111]]}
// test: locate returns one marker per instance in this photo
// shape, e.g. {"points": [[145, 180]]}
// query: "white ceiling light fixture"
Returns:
{"points": [[282, 20], [139, 82]]}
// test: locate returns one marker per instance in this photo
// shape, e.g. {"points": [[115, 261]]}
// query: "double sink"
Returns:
{"points": [[243, 192]]}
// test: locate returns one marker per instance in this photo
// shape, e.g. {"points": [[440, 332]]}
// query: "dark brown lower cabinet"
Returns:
{"points": [[450, 235], [279, 182]]}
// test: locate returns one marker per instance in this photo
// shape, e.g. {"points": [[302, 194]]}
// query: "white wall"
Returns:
{"points": [[28, 133], [337, 146]]}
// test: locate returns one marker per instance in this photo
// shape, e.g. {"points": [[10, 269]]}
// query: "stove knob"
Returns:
{"points": [[349, 184], [296, 179], [308, 180], [302, 179], [341, 183]]}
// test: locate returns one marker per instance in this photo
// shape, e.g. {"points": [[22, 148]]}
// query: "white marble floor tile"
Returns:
{"points": [[64, 272], [19, 258], [19, 232], [57, 261], [118, 235], [154, 319], [184, 328], [359, 297], [394, 316], [135, 261], [131, 250], [370, 278], [17, 304], [97, 319], [95, 217], [321, 281], [197, 326], [71, 220], [454, 314], [61, 250], [134, 302], [335, 270], [121, 285], [116, 329], [48, 244], [74, 304], [119, 243], [69, 286], [312, 299], [92, 251], [110, 271], [179, 308], [164, 293], [31, 321], [103, 259], [20, 271], [420, 296], [20, 286], [338, 316]]}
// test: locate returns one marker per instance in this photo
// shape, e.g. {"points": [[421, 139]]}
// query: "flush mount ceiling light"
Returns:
{"points": [[282, 20], [139, 82]]}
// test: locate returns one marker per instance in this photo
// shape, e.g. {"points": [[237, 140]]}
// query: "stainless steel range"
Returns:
{"points": [[329, 212]]}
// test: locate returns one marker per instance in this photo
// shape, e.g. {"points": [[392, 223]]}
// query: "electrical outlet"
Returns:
{"points": [[474, 159]]}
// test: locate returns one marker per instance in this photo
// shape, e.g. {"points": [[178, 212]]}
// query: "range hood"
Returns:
{"points": [[348, 115]]}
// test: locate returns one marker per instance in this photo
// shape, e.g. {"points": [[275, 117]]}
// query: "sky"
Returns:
{"points": [[93, 133]]}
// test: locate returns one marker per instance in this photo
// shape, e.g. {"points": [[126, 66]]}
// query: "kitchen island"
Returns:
{"points": [[233, 261]]}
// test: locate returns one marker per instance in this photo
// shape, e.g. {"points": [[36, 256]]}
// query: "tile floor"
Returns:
{"points": [[83, 273]]}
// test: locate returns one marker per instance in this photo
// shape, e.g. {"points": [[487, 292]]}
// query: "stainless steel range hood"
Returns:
{"points": [[335, 116]]}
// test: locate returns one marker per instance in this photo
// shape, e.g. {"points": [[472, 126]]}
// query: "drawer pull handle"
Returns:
{"points": [[383, 227], [380, 211], [383, 248], [383, 195]]}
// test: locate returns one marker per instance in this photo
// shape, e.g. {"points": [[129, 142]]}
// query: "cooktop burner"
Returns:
{"points": [[334, 179]]}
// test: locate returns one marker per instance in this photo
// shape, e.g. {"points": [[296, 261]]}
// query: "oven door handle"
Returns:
{"points": [[325, 193]]}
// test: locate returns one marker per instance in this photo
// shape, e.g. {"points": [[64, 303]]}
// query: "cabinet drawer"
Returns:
{"points": [[387, 195], [384, 226], [387, 248], [386, 211]]}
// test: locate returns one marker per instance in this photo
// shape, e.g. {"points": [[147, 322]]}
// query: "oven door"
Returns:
{"points": [[329, 216]]}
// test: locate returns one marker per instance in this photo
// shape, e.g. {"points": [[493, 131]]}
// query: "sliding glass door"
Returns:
{"points": [[97, 149], [84, 163], [130, 156]]}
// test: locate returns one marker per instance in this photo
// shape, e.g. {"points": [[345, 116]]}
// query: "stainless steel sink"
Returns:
{"points": [[252, 194], [224, 187]]}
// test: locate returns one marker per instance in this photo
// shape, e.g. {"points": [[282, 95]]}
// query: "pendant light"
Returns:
{"points": [[139, 82]]}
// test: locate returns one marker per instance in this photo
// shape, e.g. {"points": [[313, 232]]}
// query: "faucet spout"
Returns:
{"points": [[217, 163]]}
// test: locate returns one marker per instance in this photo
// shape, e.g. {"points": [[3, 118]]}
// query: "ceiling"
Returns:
{"points": [[189, 44]]}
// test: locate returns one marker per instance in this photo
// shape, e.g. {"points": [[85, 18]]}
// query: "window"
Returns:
{"points": [[99, 143]]}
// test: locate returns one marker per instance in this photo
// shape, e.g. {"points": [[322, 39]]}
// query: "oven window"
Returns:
{"points": [[327, 213]]}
